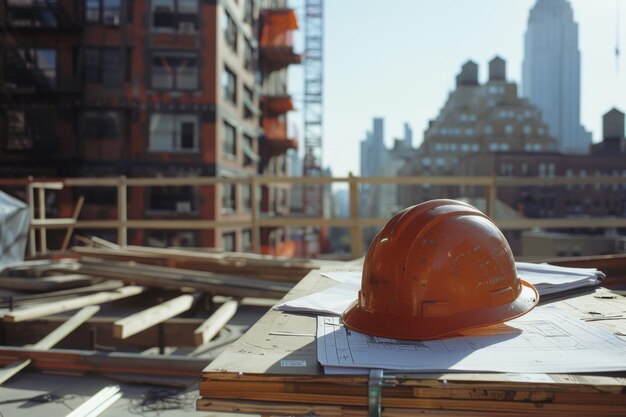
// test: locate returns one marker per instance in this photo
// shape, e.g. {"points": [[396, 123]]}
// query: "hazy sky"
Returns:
{"points": [[398, 59]]}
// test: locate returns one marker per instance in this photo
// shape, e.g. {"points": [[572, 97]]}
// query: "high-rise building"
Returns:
{"points": [[551, 72], [152, 88]]}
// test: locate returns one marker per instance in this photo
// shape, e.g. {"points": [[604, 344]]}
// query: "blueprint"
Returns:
{"points": [[542, 341], [547, 279]]}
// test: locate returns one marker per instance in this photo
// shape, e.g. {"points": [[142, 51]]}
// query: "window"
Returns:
{"points": [[100, 124], [248, 101], [527, 130], [508, 129], [469, 131], [175, 71], [229, 198], [506, 168], [488, 130], [246, 197], [175, 16], [18, 137], [426, 162], [172, 199], [542, 170], [103, 65], [173, 132], [229, 140], [32, 68], [228, 242], [229, 85], [20, 14], [249, 155], [248, 55], [475, 147], [230, 30], [103, 11], [31, 130], [246, 240], [248, 12]]}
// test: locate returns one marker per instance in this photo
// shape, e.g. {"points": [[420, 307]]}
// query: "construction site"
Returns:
{"points": [[161, 253]]}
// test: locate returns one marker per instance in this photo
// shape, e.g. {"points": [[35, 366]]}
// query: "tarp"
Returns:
{"points": [[13, 229]]}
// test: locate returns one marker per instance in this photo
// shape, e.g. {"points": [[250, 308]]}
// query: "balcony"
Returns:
{"points": [[276, 139], [276, 42], [276, 104]]}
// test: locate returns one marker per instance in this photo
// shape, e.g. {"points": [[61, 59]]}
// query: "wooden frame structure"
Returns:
{"points": [[356, 223]]}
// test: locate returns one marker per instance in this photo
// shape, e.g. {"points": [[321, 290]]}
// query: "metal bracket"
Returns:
{"points": [[374, 390]]}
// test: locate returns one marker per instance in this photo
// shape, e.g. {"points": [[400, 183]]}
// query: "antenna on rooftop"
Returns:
{"points": [[617, 36]]}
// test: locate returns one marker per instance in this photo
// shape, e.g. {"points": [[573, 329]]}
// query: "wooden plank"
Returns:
{"points": [[99, 330], [99, 402], [70, 229], [67, 327], [261, 266], [51, 283], [138, 322], [68, 360], [175, 278], [71, 304], [50, 340], [248, 301], [215, 322]]}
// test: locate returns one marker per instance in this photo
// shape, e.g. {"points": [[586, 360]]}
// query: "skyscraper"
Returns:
{"points": [[551, 72]]}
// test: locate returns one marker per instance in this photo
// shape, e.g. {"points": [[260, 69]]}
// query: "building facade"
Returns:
{"points": [[94, 88], [551, 72], [477, 119]]}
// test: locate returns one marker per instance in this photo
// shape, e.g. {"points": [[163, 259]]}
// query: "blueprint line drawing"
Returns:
{"points": [[545, 340]]}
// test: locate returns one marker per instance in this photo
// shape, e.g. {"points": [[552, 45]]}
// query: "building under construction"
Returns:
{"points": [[152, 88]]}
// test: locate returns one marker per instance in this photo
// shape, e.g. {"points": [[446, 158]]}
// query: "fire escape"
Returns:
{"points": [[275, 55], [34, 91]]}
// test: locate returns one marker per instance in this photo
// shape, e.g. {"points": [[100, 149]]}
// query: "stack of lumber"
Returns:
{"points": [[142, 308], [240, 264], [448, 394], [273, 370]]}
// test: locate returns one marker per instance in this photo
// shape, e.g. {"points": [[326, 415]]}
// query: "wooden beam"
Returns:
{"points": [[51, 283], [138, 322], [72, 304], [70, 229], [215, 322], [175, 278], [50, 340], [70, 360], [95, 405], [178, 331]]}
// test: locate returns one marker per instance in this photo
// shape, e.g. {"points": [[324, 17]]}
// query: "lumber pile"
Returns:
{"points": [[156, 317], [238, 264]]}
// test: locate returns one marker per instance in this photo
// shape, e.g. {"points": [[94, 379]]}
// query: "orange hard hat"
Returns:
{"points": [[435, 269]]}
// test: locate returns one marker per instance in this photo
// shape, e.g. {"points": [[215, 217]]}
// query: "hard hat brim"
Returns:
{"points": [[396, 326]]}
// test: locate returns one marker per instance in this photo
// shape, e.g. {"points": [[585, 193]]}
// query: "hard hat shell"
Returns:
{"points": [[435, 269]]}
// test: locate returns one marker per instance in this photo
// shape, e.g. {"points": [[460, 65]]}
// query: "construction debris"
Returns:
{"points": [[156, 319]]}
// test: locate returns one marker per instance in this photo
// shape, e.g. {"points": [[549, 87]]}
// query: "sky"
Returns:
{"points": [[398, 59]]}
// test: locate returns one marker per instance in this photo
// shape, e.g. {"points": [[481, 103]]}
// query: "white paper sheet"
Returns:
{"points": [[542, 341], [548, 279]]}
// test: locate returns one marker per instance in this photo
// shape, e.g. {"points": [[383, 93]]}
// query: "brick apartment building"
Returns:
{"points": [[102, 88]]}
